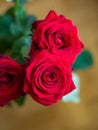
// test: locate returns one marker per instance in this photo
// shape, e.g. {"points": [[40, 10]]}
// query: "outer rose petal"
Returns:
{"points": [[51, 15]]}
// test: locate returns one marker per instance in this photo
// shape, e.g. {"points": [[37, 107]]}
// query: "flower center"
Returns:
{"points": [[5, 79], [59, 43], [49, 76]]}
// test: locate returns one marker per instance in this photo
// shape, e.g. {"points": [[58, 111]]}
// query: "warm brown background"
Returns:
{"points": [[62, 116]]}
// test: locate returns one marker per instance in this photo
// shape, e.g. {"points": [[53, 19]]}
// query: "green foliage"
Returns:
{"points": [[83, 61], [29, 20], [15, 27], [5, 34], [20, 49], [20, 101], [10, 11], [5, 22]]}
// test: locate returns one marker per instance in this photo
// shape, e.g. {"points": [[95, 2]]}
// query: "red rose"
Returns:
{"points": [[48, 78], [56, 32], [10, 79]]}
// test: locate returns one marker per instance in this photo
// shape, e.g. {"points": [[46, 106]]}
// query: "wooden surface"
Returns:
{"points": [[62, 116]]}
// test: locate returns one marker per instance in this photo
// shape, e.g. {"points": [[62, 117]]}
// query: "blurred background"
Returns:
{"points": [[62, 116]]}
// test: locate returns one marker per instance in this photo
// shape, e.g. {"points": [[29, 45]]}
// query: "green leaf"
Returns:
{"points": [[17, 47], [20, 101], [16, 29], [83, 61], [25, 50], [10, 12], [18, 44], [5, 43], [17, 50], [29, 20], [28, 23], [5, 22], [6, 38], [21, 14], [18, 14]]}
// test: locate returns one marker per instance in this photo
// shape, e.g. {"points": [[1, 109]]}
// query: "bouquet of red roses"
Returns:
{"points": [[55, 46], [40, 64], [47, 72]]}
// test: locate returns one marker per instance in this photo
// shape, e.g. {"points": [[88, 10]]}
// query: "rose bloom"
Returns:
{"points": [[48, 78], [56, 32], [10, 79]]}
